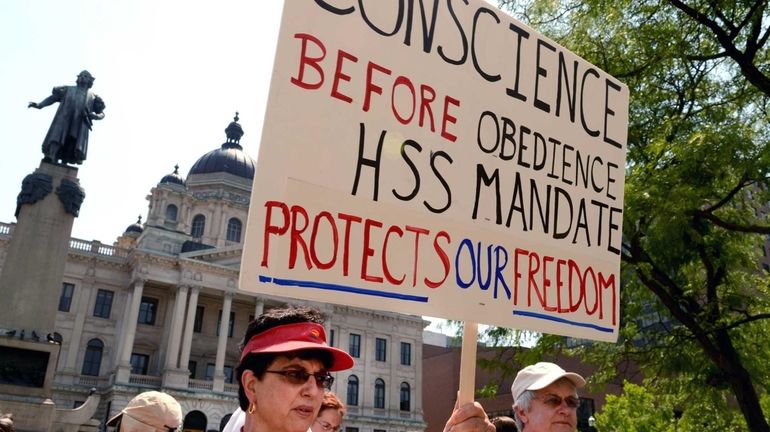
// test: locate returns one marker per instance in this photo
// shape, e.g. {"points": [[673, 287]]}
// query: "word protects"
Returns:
{"points": [[326, 242]]}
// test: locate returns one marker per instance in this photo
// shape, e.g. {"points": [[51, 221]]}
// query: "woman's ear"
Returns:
{"points": [[249, 382]]}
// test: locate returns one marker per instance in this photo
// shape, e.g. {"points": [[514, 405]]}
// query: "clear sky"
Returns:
{"points": [[172, 74]]}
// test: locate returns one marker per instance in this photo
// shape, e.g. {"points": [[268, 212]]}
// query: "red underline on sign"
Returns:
{"points": [[341, 288], [562, 320]]}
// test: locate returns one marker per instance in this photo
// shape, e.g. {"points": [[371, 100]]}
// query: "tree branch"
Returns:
{"points": [[718, 55], [742, 183], [731, 226], [747, 320]]}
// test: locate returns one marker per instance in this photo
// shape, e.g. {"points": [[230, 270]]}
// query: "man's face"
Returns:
{"points": [[84, 81], [554, 409], [284, 406]]}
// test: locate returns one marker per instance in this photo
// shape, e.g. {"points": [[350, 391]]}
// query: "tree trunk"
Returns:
{"points": [[739, 379]]}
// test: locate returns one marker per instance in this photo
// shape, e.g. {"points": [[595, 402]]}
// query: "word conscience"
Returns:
{"points": [[458, 32]]}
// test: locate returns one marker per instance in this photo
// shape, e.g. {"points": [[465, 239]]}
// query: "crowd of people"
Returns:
{"points": [[284, 386]]}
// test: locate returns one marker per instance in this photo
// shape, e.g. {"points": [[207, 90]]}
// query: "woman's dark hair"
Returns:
{"points": [[504, 424], [258, 363]]}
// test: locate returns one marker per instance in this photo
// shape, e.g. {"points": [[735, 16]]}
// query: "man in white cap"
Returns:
{"points": [[149, 412], [545, 398]]}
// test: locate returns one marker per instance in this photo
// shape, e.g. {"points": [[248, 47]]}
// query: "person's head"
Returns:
{"points": [[149, 411], [85, 79], [504, 424], [545, 398], [6, 423], [284, 369], [330, 416]]}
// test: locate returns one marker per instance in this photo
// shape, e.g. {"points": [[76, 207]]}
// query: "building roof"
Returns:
{"points": [[173, 178], [229, 158], [136, 227]]}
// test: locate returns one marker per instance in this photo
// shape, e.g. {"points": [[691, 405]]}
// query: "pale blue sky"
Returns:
{"points": [[172, 74]]}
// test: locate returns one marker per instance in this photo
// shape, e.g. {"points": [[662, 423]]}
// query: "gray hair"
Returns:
{"points": [[523, 402]]}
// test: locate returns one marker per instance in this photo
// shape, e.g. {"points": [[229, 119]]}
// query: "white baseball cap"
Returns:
{"points": [[150, 410], [541, 375]]}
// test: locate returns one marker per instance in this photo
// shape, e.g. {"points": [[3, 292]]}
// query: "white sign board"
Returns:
{"points": [[439, 159]]}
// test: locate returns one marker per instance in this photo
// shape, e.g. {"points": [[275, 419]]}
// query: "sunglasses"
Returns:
{"points": [[553, 401], [299, 377], [326, 426]]}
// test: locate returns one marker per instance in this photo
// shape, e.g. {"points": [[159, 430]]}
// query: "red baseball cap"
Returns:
{"points": [[296, 337]]}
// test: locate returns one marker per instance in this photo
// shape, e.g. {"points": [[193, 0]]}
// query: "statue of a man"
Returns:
{"points": [[67, 138]]}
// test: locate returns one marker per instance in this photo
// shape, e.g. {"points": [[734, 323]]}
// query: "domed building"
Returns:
{"points": [[160, 308]]}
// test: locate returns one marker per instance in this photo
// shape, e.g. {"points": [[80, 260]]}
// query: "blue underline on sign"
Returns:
{"points": [[341, 288], [562, 320]]}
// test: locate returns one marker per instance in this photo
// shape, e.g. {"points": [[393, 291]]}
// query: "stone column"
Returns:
{"points": [[75, 346], [118, 352], [417, 362], [175, 334], [219, 366], [173, 375], [31, 278], [259, 307], [124, 364], [192, 307]]}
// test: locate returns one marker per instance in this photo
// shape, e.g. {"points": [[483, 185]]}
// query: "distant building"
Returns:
{"points": [[161, 309]]}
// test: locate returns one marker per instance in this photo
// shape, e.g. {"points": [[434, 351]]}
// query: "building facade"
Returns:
{"points": [[160, 308]]}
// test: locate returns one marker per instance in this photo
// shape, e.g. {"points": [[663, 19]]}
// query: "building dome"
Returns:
{"points": [[229, 158], [173, 178], [135, 227]]}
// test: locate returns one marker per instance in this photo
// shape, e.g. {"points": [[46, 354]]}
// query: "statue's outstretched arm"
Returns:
{"points": [[44, 103], [56, 96]]}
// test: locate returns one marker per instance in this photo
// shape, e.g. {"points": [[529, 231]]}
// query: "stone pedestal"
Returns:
{"points": [[27, 367], [30, 286], [26, 374], [31, 280], [176, 378], [29, 415], [122, 374]]}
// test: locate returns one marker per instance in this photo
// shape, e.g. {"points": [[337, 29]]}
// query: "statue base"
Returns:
{"points": [[31, 279]]}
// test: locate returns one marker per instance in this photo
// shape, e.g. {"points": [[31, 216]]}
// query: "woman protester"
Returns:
{"points": [[330, 416], [284, 373]]}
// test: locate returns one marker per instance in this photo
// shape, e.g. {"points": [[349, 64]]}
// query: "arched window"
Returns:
{"points": [[379, 393], [405, 397], [353, 390], [92, 361], [234, 230], [198, 225], [171, 212]]}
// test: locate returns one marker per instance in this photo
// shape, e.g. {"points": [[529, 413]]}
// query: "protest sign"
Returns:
{"points": [[439, 158]]}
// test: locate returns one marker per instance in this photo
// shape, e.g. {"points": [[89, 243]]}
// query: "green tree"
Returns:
{"points": [[695, 304], [635, 411]]}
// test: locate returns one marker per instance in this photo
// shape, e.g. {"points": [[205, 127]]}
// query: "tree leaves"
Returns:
{"points": [[695, 301]]}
